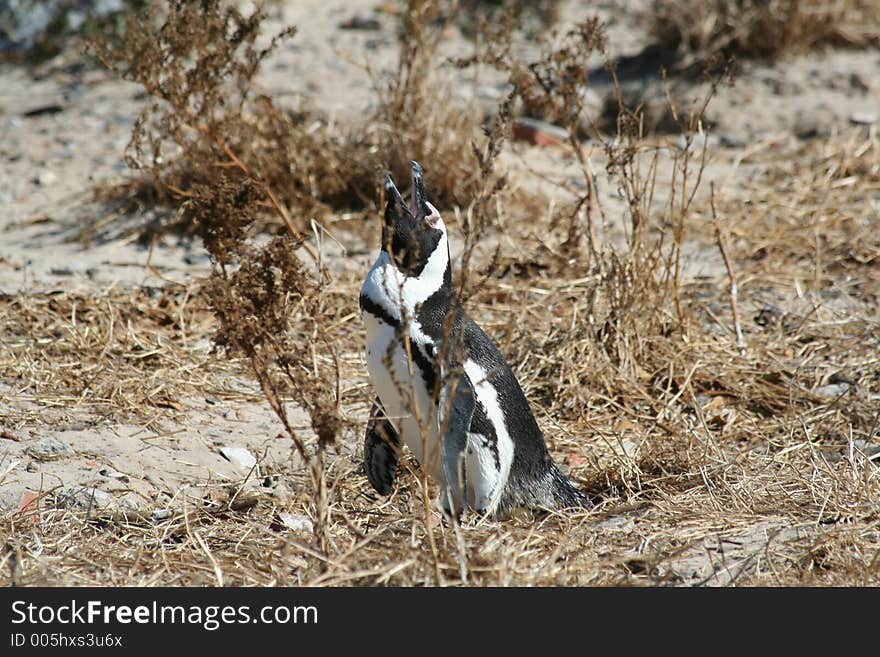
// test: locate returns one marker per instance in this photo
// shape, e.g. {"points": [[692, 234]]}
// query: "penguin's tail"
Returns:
{"points": [[549, 489], [566, 494]]}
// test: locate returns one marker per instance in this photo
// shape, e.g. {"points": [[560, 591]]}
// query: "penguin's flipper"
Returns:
{"points": [[381, 450], [457, 405]]}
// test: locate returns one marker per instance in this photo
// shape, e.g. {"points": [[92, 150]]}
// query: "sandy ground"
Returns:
{"points": [[63, 129]]}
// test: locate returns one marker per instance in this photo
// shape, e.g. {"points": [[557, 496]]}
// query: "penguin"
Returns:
{"points": [[442, 387]]}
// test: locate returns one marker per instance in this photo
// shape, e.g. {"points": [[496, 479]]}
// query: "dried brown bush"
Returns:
{"points": [[417, 116], [237, 155], [712, 31], [199, 61], [630, 297]]}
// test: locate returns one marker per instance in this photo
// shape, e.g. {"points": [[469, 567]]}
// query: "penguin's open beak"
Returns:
{"points": [[395, 206], [419, 205]]}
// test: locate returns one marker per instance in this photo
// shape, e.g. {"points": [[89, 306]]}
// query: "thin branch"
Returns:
{"points": [[722, 245]]}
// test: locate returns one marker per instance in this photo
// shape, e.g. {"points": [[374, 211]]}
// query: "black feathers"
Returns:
{"points": [[381, 451]]}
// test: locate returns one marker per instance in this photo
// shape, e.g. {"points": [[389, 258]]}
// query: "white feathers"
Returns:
{"points": [[485, 479], [403, 395]]}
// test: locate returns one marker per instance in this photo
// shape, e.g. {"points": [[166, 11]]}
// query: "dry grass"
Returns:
{"points": [[711, 463], [711, 31], [817, 204], [782, 518], [117, 354], [712, 467]]}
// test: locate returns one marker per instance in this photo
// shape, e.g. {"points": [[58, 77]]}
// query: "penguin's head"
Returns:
{"points": [[412, 231]]}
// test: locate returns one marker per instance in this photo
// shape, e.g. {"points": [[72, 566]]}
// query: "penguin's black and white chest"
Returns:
{"points": [[412, 386], [401, 356]]}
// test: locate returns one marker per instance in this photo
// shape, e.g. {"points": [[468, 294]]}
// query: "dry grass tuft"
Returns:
{"points": [[817, 204], [712, 31], [120, 354], [784, 518], [416, 116], [199, 61]]}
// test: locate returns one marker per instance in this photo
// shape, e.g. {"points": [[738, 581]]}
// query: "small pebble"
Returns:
{"points": [[113, 474], [45, 178], [360, 23], [538, 133], [296, 521], [832, 390], [863, 118], [49, 449], [160, 514]]}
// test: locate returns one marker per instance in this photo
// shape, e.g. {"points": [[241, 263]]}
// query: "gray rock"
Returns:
{"points": [[361, 23], [99, 503], [296, 521], [630, 448], [832, 390], [870, 450], [729, 140], [9, 499], [860, 448], [83, 498], [26, 20], [160, 514], [703, 399], [49, 449]]}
